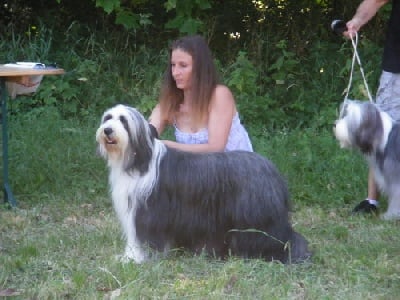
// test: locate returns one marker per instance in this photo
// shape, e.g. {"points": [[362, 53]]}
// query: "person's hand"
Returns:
{"points": [[353, 26], [169, 143]]}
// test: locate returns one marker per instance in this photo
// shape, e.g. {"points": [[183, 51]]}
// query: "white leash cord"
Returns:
{"points": [[356, 56]]}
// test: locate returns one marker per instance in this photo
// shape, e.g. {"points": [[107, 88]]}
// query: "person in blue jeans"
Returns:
{"points": [[202, 110], [388, 94]]}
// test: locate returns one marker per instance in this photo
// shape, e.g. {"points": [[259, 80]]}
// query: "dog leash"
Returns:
{"points": [[356, 57]]}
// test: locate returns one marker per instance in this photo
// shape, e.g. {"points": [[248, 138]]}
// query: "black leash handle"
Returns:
{"points": [[338, 26]]}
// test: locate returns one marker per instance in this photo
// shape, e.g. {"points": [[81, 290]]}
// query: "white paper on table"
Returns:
{"points": [[26, 65]]}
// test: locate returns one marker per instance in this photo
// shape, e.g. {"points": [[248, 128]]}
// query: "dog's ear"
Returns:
{"points": [[140, 150], [143, 148], [370, 130]]}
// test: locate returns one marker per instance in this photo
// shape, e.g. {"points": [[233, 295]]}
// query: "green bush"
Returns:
{"points": [[285, 90]]}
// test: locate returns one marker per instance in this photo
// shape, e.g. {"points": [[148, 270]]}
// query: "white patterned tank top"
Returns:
{"points": [[238, 138]]}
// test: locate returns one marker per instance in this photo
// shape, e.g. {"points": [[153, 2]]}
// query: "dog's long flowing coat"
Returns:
{"points": [[233, 203], [363, 126]]}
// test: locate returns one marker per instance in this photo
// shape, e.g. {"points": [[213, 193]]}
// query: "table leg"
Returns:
{"points": [[8, 195]]}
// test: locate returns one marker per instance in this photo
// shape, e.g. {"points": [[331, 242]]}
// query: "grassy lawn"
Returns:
{"points": [[62, 240]]}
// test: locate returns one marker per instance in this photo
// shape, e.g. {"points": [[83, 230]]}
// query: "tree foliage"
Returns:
{"points": [[225, 23], [280, 57]]}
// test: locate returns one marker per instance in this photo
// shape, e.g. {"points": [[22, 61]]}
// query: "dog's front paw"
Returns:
{"points": [[129, 255], [391, 216], [122, 258], [127, 258]]}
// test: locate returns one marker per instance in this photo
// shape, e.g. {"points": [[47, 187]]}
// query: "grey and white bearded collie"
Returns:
{"points": [[233, 203], [364, 126]]}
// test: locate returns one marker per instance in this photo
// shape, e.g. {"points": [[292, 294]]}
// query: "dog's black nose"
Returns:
{"points": [[108, 131]]}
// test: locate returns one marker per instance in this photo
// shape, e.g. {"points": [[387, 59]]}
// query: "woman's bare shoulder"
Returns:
{"points": [[222, 89], [223, 98]]}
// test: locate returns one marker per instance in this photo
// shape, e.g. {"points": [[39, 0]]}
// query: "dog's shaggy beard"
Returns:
{"points": [[217, 202]]}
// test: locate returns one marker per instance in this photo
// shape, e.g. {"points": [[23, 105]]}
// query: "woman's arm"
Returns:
{"points": [[221, 112], [156, 121]]}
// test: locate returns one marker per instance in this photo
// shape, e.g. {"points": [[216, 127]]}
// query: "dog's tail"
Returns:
{"points": [[297, 249]]}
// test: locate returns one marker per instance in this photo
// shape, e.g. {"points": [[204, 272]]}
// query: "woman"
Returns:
{"points": [[202, 111]]}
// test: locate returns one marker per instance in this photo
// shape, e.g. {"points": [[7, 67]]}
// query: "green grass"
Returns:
{"points": [[62, 240]]}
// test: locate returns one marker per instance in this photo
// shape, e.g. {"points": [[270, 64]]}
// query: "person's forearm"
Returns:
{"points": [[367, 10], [193, 147]]}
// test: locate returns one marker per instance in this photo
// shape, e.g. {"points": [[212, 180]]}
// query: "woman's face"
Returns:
{"points": [[181, 68]]}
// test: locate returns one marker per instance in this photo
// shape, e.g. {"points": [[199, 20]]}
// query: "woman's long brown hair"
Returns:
{"points": [[204, 80]]}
